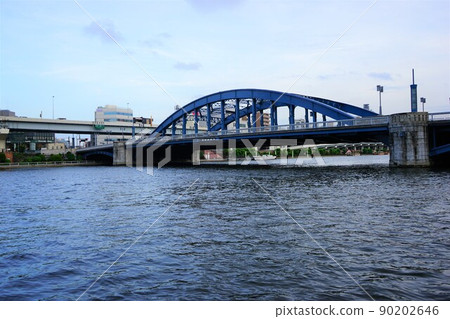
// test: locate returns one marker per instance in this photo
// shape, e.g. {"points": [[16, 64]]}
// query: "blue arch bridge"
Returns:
{"points": [[249, 117]]}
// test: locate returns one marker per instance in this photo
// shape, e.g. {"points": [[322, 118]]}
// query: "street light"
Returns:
{"points": [[380, 89], [53, 104], [423, 101]]}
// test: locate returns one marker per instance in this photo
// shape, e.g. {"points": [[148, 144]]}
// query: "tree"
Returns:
{"points": [[70, 156], [55, 158]]}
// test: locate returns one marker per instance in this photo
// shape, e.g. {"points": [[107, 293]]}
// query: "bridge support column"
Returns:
{"points": [[254, 113], [273, 115], [306, 116], [119, 154], [408, 139], [291, 114], [184, 124], [196, 121], [3, 134], [222, 115], [237, 117], [208, 117]]}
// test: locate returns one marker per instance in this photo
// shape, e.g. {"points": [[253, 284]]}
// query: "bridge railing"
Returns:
{"points": [[377, 120], [440, 116]]}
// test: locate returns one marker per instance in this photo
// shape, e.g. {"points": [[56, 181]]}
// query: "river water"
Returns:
{"points": [[226, 233]]}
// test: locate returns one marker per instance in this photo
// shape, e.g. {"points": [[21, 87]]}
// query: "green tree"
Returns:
{"points": [[70, 156], [2, 158], [367, 150], [18, 157], [55, 158], [37, 158]]}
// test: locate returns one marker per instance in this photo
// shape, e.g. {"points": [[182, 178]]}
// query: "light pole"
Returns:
{"points": [[53, 106], [423, 101], [380, 89]]}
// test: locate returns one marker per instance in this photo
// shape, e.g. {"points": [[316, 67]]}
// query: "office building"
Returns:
{"points": [[110, 114]]}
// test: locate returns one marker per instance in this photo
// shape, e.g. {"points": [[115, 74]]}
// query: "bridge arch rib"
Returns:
{"points": [[257, 101]]}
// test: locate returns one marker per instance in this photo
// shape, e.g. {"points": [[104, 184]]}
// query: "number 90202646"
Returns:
{"points": [[409, 310]]}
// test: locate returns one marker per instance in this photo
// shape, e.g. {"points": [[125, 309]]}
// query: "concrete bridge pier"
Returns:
{"points": [[408, 139], [119, 153], [3, 134]]}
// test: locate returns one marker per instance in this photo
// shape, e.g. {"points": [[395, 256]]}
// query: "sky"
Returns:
{"points": [[166, 53]]}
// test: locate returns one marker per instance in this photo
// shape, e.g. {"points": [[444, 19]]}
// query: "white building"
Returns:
{"points": [[111, 113]]}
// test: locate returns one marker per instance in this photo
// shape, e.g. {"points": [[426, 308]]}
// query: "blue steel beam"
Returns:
{"points": [[344, 107], [196, 121], [253, 112], [291, 114], [236, 111], [208, 116], [183, 131], [222, 115], [440, 150]]}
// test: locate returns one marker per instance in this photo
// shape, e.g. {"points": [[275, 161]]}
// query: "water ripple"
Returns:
{"points": [[225, 239]]}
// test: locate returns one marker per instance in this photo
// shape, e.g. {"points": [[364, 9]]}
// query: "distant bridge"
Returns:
{"points": [[412, 137]]}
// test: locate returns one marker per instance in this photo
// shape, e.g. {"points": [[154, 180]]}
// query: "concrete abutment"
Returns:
{"points": [[408, 139]]}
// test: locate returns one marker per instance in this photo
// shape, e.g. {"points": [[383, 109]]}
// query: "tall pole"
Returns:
{"points": [[423, 101], [380, 90], [53, 106], [413, 94]]}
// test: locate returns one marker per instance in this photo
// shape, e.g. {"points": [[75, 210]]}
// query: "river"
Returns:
{"points": [[335, 232]]}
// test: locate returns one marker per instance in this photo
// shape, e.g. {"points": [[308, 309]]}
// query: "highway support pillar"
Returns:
{"points": [[408, 139], [3, 134]]}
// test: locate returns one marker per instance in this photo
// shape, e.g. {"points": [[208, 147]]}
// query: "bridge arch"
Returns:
{"points": [[225, 107]]}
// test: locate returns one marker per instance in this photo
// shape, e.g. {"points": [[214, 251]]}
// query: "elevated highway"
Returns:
{"points": [[25, 124]]}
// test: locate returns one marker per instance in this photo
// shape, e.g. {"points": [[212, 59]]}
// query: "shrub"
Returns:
{"points": [[37, 158], [55, 158], [70, 156], [18, 157]]}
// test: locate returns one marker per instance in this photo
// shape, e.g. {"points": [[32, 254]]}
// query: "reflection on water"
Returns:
{"points": [[225, 239]]}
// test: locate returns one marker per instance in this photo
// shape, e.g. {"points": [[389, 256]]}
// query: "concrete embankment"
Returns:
{"points": [[4, 166]]}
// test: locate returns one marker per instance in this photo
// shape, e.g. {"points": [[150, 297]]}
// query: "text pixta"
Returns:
{"points": [[304, 311]]}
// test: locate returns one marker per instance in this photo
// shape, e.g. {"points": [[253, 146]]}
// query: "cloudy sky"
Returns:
{"points": [[171, 52]]}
